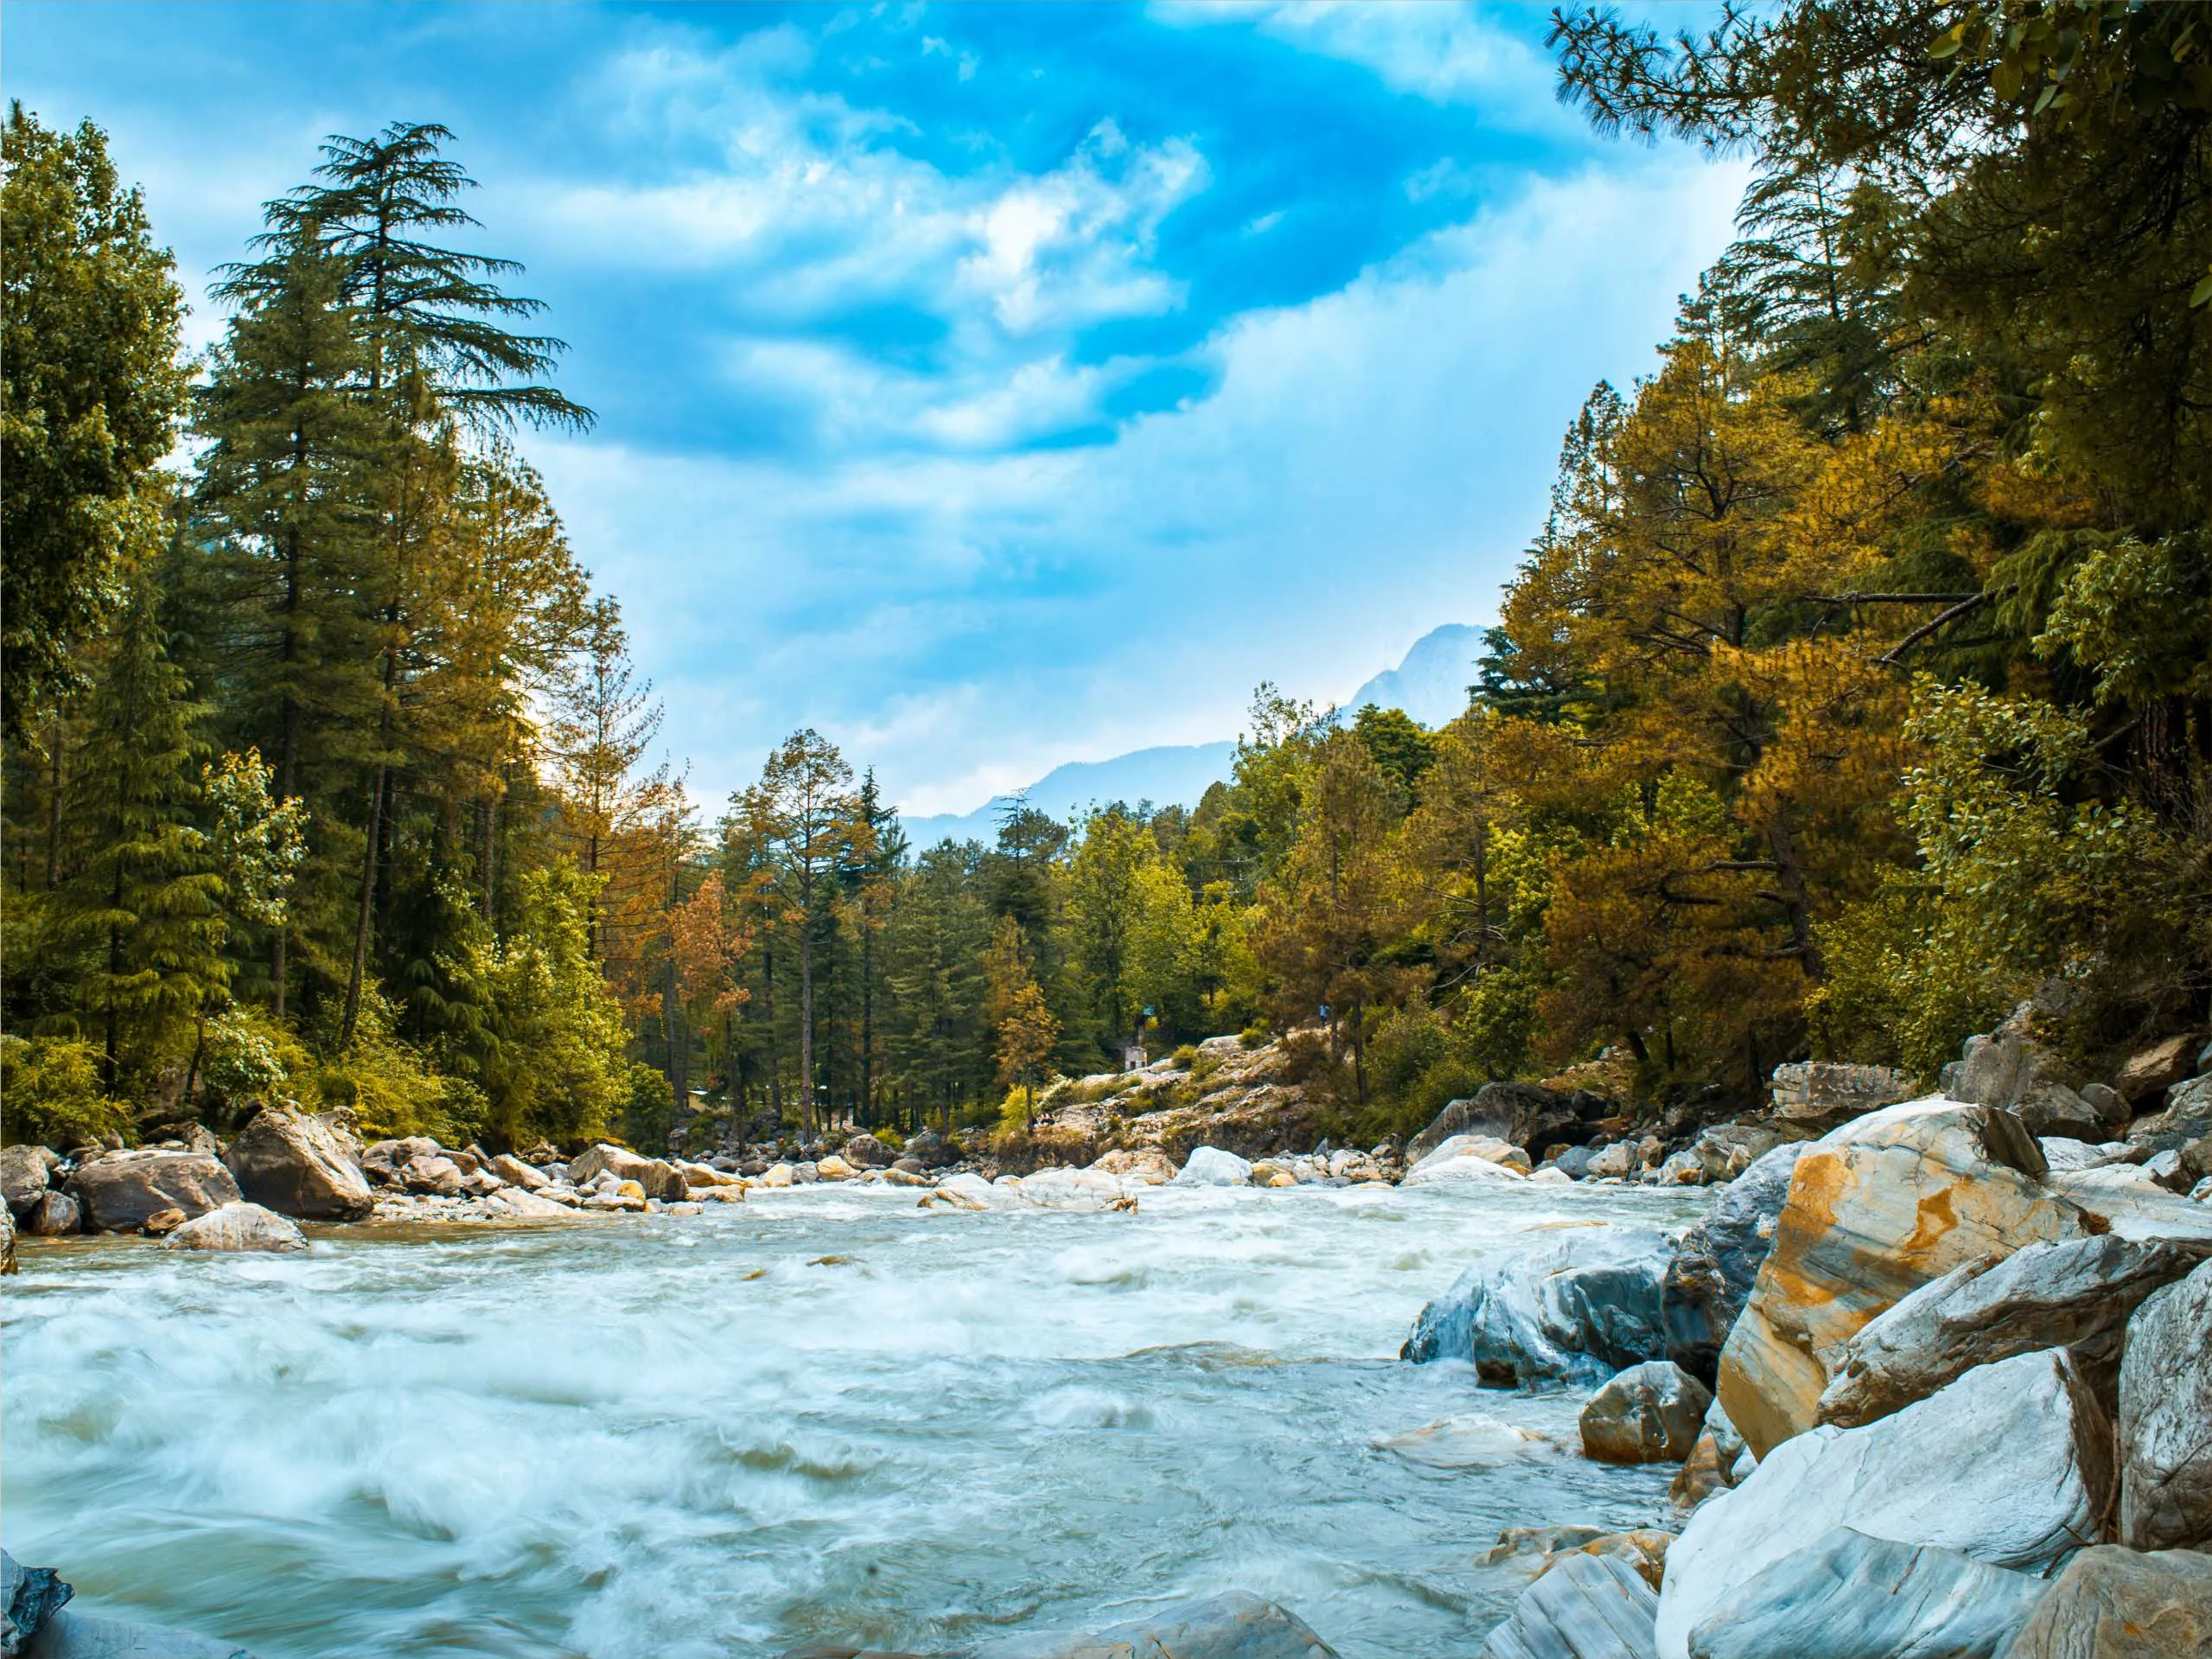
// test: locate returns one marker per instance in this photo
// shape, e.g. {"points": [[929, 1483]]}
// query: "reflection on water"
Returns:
{"points": [[823, 1415]]}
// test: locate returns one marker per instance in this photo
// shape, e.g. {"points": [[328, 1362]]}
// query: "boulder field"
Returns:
{"points": [[1962, 1383]]}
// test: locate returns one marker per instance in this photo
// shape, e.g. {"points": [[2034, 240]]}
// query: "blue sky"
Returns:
{"points": [[987, 386]]}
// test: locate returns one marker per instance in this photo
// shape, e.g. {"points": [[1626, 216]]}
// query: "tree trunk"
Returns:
{"points": [[358, 971], [806, 1021]]}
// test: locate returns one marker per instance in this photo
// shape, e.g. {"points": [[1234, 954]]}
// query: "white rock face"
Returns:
{"points": [[1210, 1166], [2010, 1465], [527, 1205], [2165, 1418]]}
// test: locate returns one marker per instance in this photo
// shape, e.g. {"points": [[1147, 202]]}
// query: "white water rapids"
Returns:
{"points": [[822, 1416]]}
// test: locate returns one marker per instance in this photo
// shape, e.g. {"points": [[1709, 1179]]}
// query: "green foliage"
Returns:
{"points": [[92, 382], [54, 1093], [648, 1110], [246, 1055]]}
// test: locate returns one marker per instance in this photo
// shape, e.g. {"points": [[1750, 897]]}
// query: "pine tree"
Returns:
{"points": [[146, 902]]}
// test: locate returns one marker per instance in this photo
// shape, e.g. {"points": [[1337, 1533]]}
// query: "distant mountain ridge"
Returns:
{"points": [[1431, 684]]}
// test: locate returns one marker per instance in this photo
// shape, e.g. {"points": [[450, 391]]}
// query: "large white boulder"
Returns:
{"points": [[237, 1226], [2010, 1465], [1210, 1166]]}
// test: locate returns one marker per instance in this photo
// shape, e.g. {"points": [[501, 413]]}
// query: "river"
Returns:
{"points": [[822, 1416]]}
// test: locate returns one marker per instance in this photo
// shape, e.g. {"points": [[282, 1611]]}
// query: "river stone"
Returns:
{"points": [[1587, 1607], [51, 1216], [1714, 1266], [1575, 1310], [7, 1264], [2075, 1294], [76, 1635], [300, 1164], [2125, 1201], [24, 1173], [516, 1173], [530, 1206], [659, 1179], [432, 1172], [237, 1227], [1876, 1210], [29, 1596], [1648, 1413], [1519, 1543], [2111, 1603], [865, 1151], [119, 1191], [2165, 1418], [1644, 1549], [1467, 1157], [1718, 1459], [1622, 1159], [1065, 1188], [1818, 1094], [1210, 1166], [2010, 1465], [2154, 1070], [2187, 1117], [2010, 1070], [1527, 1115], [1846, 1596]]}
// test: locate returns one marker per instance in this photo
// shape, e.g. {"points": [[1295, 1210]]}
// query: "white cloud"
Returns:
{"points": [[1369, 467]]}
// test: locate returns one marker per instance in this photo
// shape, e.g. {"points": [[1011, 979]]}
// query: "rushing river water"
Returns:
{"points": [[822, 1416]]}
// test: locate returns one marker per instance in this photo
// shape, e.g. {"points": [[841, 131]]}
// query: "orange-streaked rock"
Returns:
{"points": [[1877, 1209]]}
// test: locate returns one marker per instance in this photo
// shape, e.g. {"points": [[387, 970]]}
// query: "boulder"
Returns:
{"points": [[2165, 1418], [433, 1173], [1622, 1159], [2111, 1603], [525, 1205], [1644, 1549], [1845, 1596], [2187, 1117], [931, 1150], [2154, 1070], [300, 1164], [1527, 1115], [516, 1173], [1718, 1459], [2062, 1154], [1517, 1543], [25, 1173], [1648, 1413], [866, 1152], [78, 1636], [1717, 1260], [7, 1263], [1587, 1607], [778, 1175], [1086, 1190], [1138, 1166], [1876, 1210], [659, 1179], [237, 1227], [1727, 1150], [29, 1596], [1468, 1157], [2010, 1465], [2010, 1070], [1210, 1166], [1684, 1168], [1816, 1095], [831, 1167], [2075, 1294], [1232, 1626], [163, 1223], [51, 1216], [118, 1191], [1575, 1310], [2126, 1201]]}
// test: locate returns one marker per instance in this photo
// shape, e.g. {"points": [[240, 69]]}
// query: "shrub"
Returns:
{"points": [[51, 1087], [1185, 1058], [246, 1054], [649, 1109], [1255, 1035]]}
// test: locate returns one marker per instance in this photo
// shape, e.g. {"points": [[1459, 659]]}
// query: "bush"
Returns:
{"points": [[1185, 1058], [247, 1055], [648, 1110], [1255, 1035], [51, 1087]]}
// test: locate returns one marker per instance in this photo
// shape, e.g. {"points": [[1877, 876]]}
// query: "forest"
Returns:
{"points": [[1856, 684]]}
